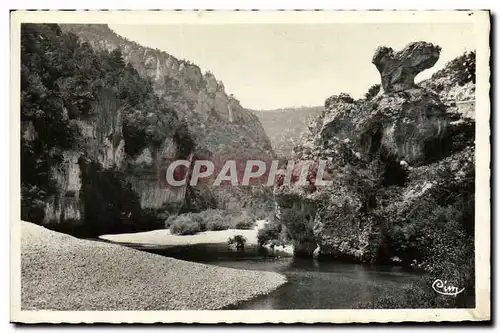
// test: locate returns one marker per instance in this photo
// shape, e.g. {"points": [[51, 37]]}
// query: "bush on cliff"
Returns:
{"points": [[463, 69], [372, 91]]}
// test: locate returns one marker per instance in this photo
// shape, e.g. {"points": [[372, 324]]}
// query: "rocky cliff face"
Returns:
{"points": [[119, 114], [219, 127], [100, 157], [402, 166]]}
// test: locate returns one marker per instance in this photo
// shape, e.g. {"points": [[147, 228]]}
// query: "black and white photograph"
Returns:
{"points": [[249, 162]]}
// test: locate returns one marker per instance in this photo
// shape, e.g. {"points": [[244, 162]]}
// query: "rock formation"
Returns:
{"points": [[398, 70]]}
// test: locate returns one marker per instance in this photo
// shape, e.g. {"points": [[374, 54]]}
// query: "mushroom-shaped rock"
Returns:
{"points": [[398, 70]]}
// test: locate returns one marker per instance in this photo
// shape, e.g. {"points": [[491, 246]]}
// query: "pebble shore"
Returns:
{"points": [[61, 272]]}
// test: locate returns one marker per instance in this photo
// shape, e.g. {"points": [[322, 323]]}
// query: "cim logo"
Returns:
{"points": [[443, 288]]}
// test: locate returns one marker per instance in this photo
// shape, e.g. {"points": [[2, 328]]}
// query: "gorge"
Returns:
{"points": [[103, 117]]}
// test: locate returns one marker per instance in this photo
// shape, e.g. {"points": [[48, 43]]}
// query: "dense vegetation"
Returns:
{"points": [[458, 74], [462, 69]]}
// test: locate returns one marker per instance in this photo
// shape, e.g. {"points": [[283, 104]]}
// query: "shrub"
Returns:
{"points": [[186, 224], [273, 234], [335, 98], [464, 68], [217, 225], [215, 219], [210, 219], [169, 221]]}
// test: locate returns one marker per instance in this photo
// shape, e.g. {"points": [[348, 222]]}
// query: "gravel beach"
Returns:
{"points": [[61, 272]]}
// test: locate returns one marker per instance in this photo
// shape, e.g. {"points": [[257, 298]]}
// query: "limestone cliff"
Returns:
{"points": [[402, 166], [216, 119], [103, 117]]}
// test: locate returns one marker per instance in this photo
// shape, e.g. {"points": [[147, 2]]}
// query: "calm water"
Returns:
{"points": [[311, 284]]}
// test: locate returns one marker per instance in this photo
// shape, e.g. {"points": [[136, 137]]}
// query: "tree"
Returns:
{"points": [[238, 241]]}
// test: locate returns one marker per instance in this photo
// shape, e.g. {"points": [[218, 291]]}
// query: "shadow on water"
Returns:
{"points": [[312, 284]]}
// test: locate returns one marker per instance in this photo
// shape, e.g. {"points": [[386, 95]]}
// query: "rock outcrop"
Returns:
{"points": [[401, 153]]}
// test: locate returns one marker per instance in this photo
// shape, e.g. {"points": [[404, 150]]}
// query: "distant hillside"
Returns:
{"points": [[284, 126]]}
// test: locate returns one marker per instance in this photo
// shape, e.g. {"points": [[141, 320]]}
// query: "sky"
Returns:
{"points": [[270, 66]]}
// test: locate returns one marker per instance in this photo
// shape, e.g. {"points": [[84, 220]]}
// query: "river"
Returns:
{"points": [[312, 284]]}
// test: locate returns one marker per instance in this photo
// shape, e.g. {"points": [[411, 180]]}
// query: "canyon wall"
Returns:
{"points": [[402, 167], [102, 118]]}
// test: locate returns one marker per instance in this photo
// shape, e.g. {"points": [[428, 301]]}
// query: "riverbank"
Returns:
{"points": [[164, 238], [61, 272]]}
